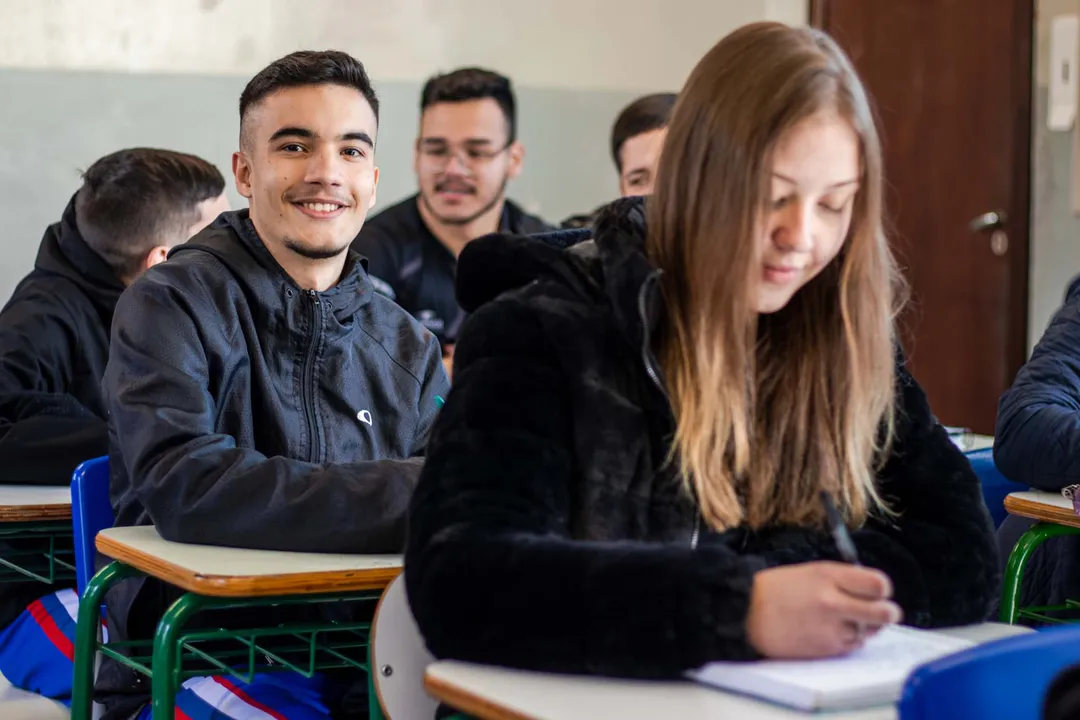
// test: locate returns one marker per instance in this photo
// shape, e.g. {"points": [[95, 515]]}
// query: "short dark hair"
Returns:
{"points": [[650, 112], [472, 83], [137, 199], [308, 67]]}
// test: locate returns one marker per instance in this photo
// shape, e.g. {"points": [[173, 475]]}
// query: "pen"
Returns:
{"points": [[843, 541], [839, 530], [439, 402]]}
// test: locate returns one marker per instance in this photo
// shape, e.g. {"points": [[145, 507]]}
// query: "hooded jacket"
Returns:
{"points": [[1037, 443], [54, 343], [546, 492], [248, 412]]}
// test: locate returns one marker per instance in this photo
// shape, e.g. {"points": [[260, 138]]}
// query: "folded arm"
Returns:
{"points": [[197, 485], [1037, 437], [45, 432]]}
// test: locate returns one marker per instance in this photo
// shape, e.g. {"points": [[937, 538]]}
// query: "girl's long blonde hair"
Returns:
{"points": [[771, 409]]}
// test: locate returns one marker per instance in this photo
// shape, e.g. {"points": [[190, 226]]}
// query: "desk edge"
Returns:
{"points": [[1041, 511], [34, 513], [468, 702], [246, 586]]}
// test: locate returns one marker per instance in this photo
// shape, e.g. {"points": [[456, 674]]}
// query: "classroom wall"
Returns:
{"points": [[80, 79], [1055, 227]]}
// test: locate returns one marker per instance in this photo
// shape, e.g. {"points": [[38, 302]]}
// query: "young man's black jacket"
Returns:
{"points": [[54, 343], [246, 411]]}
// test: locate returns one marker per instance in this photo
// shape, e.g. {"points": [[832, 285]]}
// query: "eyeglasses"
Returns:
{"points": [[437, 155]]}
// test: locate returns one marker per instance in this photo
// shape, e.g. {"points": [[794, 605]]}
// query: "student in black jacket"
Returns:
{"points": [[628, 474], [261, 394], [467, 152], [1037, 442], [133, 206]]}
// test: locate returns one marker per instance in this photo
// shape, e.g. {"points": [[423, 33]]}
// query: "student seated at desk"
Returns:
{"points": [[261, 394], [1037, 442], [627, 478], [636, 140], [467, 152], [133, 206]]}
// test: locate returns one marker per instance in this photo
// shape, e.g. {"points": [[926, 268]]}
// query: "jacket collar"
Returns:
{"points": [[232, 239], [613, 263], [631, 281]]}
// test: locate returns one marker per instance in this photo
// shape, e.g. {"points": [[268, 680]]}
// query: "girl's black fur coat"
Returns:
{"points": [[548, 533]]}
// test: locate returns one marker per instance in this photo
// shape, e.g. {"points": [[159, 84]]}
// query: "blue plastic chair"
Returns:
{"points": [[91, 512], [995, 486], [1002, 680]]}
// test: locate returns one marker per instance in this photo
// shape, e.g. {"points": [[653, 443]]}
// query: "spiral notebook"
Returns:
{"points": [[872, 675]]}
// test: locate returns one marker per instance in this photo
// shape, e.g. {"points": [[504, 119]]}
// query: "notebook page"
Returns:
{"points": [[877, 670]]}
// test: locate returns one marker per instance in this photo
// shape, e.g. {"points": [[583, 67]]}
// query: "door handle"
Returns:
{"points": [[994, 221]]}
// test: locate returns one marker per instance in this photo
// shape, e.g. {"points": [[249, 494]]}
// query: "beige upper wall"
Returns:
{"points": [[567, 44]]}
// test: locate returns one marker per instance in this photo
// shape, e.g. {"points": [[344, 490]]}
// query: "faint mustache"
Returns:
{"points": [[454, 186]]}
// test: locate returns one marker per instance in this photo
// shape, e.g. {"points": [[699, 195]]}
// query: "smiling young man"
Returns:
{"points": [[467, 152], [261, 394]]}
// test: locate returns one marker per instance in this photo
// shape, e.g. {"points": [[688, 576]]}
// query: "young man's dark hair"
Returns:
{"points": [[473, 83], [650, 112], [132, 199], [133, 206], [637, 131], [308, 67], [261, 394]]}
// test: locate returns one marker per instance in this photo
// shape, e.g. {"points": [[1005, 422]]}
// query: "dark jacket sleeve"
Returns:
{"points": [[939, 549], [492, 572], [45, 432], [1037, 437], [197, 485]]}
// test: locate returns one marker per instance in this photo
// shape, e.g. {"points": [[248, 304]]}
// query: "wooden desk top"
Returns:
{"points": [[1045, 506], [493, 693], [27, 503], [233, 572]]}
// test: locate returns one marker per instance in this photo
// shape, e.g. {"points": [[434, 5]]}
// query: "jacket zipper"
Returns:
{"points": [[646, 345], [314, 445], [650, 368]]}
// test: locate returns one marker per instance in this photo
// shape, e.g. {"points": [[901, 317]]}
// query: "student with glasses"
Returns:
{"points": [[467, 152]]}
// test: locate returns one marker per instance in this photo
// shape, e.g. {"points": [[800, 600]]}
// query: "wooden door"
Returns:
{"points": [[951, 83]]}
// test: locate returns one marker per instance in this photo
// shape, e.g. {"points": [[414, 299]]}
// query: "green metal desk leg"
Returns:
{"points": [[86, 636], [1035, 536], [166, 659]]}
